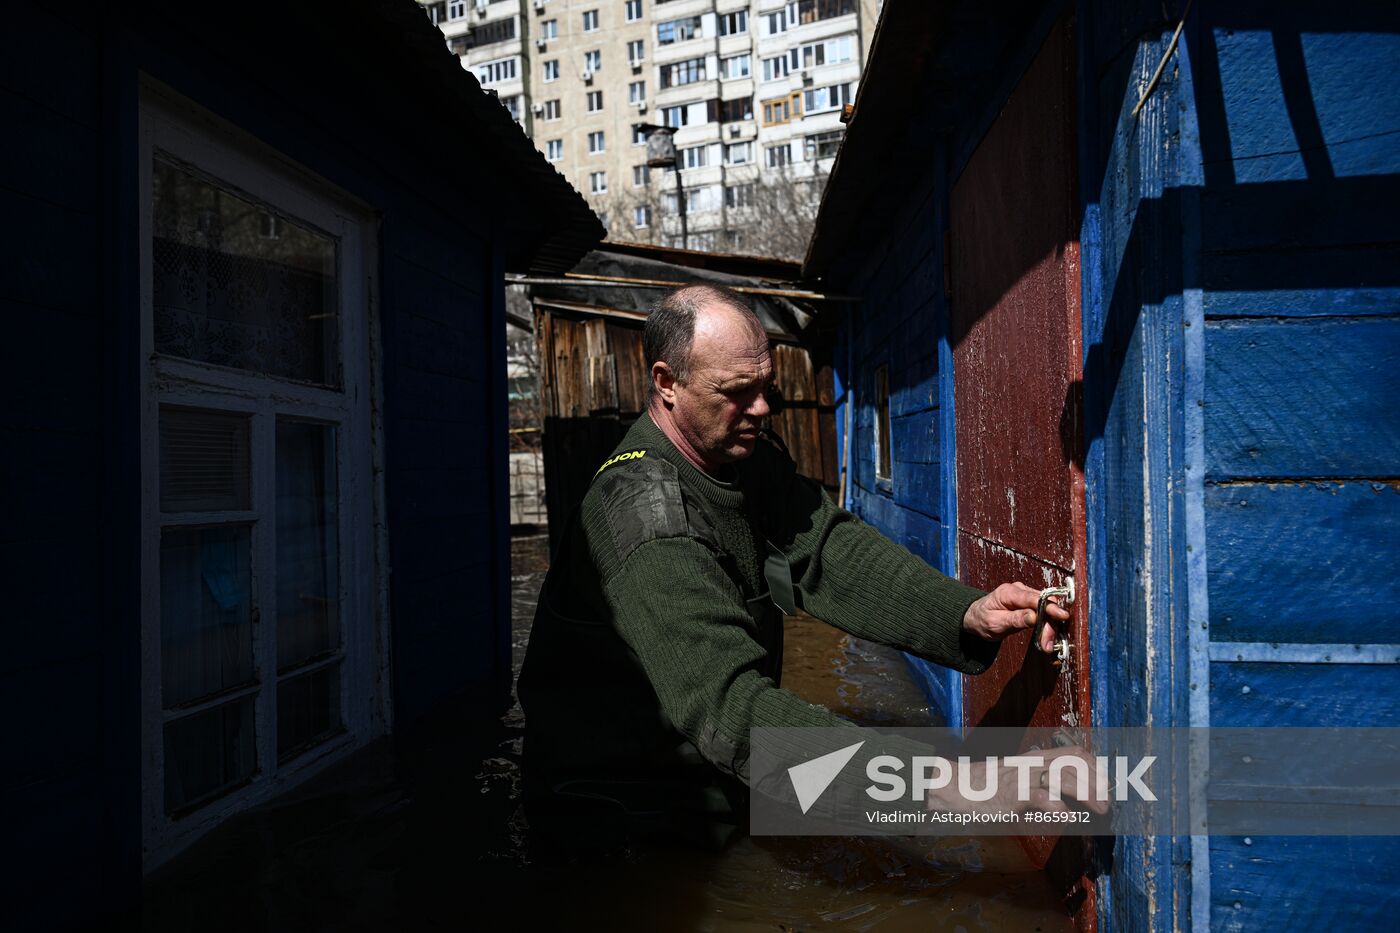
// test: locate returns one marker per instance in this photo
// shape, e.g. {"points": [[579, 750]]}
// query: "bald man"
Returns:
{"points": [[658, 641]]}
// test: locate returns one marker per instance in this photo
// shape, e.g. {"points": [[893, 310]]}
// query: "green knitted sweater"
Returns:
{"points": [[649, 648]]}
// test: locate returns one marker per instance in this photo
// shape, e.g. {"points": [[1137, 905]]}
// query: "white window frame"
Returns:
{"points": [[590, 99], [600, 139], [641, 216], [549, 29], [456, 9], [598, 182], [593, 60], [636, 51], [177, 128], [590, 16], [550, 70], [636, 91], [555, 146], [632, 10]]}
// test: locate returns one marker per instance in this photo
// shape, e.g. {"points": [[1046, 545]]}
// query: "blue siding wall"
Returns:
{"points": [[1299, 243], [68, 445], [900, 324]]}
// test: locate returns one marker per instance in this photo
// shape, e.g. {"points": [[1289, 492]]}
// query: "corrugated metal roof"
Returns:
{"points": [[782, 317]]}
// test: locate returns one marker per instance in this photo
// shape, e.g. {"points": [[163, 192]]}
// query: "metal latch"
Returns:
{"points": [[1062, 645]]}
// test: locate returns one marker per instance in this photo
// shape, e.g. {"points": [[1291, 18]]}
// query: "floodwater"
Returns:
{"points": [[437, 841]]}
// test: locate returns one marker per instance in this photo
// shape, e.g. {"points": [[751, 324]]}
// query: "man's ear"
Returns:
{"points": [[664, 381]]}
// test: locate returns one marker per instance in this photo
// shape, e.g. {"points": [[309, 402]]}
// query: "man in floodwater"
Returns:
{"points": [[658, 641]]}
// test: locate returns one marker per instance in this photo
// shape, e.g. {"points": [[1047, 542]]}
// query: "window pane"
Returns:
{"points": [[308, 582], [206, 633], [308, 709], [238, 284], [208, 753], [203, 461]]}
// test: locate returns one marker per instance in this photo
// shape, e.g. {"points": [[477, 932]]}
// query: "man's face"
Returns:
{"points": [[719, 406]]}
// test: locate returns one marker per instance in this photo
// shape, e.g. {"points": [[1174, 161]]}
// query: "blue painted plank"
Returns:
{"points": [[1302, 398], [427, 294], [1302, 282], [1304, 883], [50, 391], [50, 60], [919, 533], [1359, 124], [1304, 562], [1261, 694], [48, 482], [917, 487], [49, 156], [34, 234]]}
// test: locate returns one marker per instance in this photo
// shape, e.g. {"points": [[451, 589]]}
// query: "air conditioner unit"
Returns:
{"points": [[734, 132], [806, 76], [586, 75], [482, 6], [539, 6], [538, 109], [641, 106], [541, 44]]}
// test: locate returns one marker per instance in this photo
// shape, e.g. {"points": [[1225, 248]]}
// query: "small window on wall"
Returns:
{"points": [[882, 423]]}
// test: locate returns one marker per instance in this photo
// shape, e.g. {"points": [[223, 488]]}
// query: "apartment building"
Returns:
{"points": [[754, 90]]}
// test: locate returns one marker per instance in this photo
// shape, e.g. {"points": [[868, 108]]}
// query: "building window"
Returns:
{"points": [[882, 423], [256, 458], [782, 109], [738, 195], [551, 109], [549, 29], [632, 10], [823, 145], [695, 156], [735, 111], [777, 156], [491, 72], [731, 24], [681, 73], [456, 9], [802, 12], [636, 51], [775, 68], [636, 92], [554, 150], [603, 219], [437, 12], [488, 33], [595, 141], [678, 30], [595, 101], [826, 98], [735, 66], [738, 153], [593, 61], [512, 104], [598, 182], [641, 174], [641, 216], [775, 23], [590, 20], [551, 70], [675, 117]]}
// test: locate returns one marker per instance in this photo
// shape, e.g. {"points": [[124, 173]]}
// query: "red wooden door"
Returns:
{"points": [[1016, 365]]}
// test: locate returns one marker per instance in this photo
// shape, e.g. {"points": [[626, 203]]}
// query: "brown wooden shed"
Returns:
{"points": [[593, 380]]}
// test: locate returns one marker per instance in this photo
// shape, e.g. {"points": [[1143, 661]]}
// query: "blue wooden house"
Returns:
{"points": [[253, 449], [1130, 277]]}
